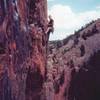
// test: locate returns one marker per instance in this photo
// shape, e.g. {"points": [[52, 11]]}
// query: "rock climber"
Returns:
{"points": [[50, 27]]}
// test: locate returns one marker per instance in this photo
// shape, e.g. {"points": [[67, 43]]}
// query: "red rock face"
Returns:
{"points": [[73, 66], [72, 72], [22, 49]]}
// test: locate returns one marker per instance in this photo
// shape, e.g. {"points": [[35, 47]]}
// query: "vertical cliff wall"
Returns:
{"points": [[22, 49]]}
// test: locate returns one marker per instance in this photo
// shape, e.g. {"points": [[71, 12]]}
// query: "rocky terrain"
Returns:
{"points": [[22, 49], [32, 69], [73, 70]]}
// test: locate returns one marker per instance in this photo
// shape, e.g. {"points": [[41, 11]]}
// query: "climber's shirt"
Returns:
{"points": [[51, 23]]}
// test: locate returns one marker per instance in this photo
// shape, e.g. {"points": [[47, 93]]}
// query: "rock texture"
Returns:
{"points": [[22, 49], [73, 71], [73, 66]]}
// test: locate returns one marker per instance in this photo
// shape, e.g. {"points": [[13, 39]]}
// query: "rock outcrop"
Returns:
{"points": [[73, 71], [22, 49], [73, 66]]}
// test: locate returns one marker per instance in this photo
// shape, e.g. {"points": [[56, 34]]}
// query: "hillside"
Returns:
{"points": [[32, 68], [74, 65]]}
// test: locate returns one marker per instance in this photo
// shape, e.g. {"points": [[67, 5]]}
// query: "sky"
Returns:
{"points": [[71, 15]]}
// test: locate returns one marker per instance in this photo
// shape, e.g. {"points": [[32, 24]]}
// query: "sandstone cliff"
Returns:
{"points": [[73, 71], [73, 66], [22, 49]]}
